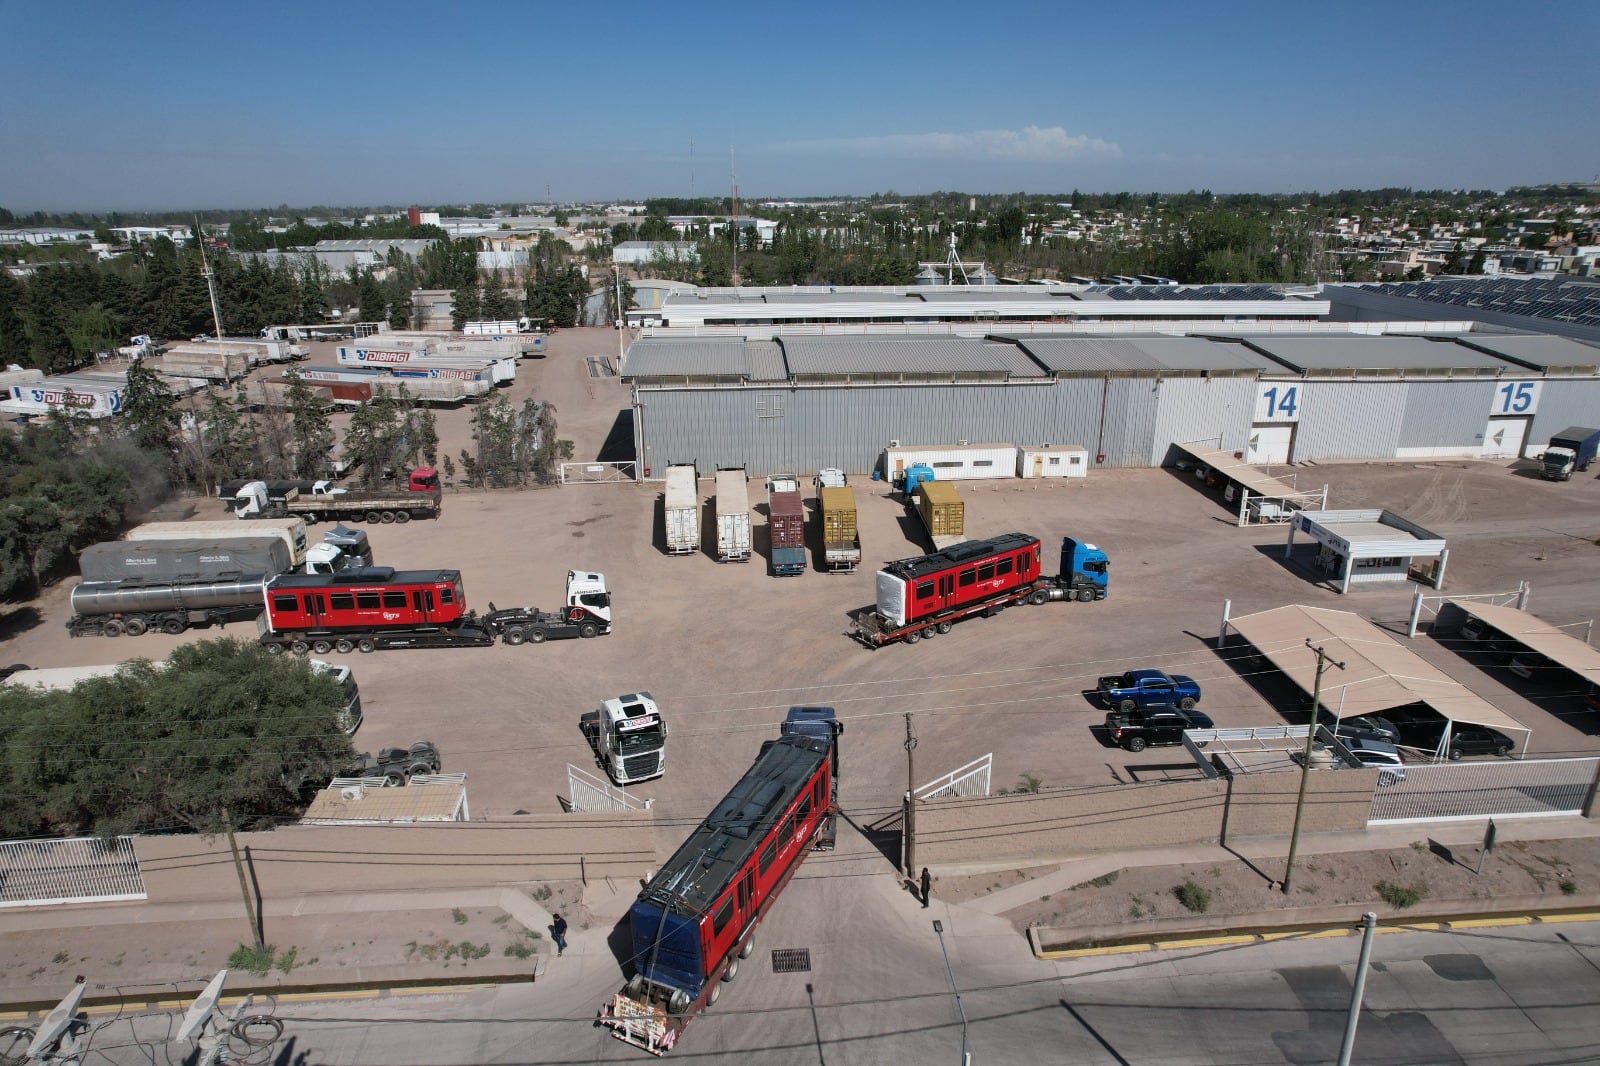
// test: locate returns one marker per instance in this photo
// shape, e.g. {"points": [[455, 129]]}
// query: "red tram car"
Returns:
{"points": [[368, 608]]}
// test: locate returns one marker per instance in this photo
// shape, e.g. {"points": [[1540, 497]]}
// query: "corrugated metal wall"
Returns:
{"points": [[1446, 414], [1349, 419], [1196, 409], [1564, 403]]}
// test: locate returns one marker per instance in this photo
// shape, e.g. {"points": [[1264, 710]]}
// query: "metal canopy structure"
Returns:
{"points": [[1353, 540], [1540, 636], [1253, 483], [1380, 673]]}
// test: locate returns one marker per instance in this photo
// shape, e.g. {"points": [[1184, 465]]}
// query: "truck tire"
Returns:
{"points": [[402, 517], [536, 635], [945, 627], [135, 627], [387, 518], [1135, 744], [172, 626], [1186, 704], [274, 649], [420, 768], [366, 645], [587, 630], [714, 995], [913, 636], [930, 632], [515, 635], [393, 779], [732, 971], [112, 627], [300, 647], [1085, 595], [322, 647], [1126, 705], [1039, 598], [748, 948], [343, 646], [312, 518], [374, 518]]}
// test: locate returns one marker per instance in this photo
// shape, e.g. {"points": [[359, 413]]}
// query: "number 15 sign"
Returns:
{"points": [[1516, 398]]}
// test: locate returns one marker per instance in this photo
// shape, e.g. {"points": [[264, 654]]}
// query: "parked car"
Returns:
{"points": [[1489, 642], [1155, 724], [1465, 738], [1383, 756], [1364, 727], [1148, 688], [1531, 666]]}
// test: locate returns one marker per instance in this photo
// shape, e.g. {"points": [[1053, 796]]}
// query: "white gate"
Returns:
{"points": [[1469, 790], [970, 780], [75, 870], [1504, 438], [1269, 444], [597, 473], [591, 795]]}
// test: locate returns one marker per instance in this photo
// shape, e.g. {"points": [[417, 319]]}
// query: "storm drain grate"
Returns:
{"points": [[791, 960]]}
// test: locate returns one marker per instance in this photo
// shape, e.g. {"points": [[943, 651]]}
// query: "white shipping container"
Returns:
{"points": [[954, 462], [733, 516], [681, 508], [42, 397], [1053, 460]]}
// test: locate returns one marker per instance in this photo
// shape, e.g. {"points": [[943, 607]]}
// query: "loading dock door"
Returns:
{"points": [[1269, 444], [1504, 438]]}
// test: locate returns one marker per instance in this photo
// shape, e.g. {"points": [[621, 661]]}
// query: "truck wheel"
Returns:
{"points": [[732, 971], [515, 635], [587, 630], [1186, 704], [402, 517], [136, 627], [536, 635], [393, 779], [714, 995], [1039, 597], [945, 627], [913, 636], [1136, 744], [374, 518], [748, 948], [312, 518], [172, 626], [1085, 595], [420, 768], [113, 628], [1126, 705], [366, 644], [321, 647], [300, 647], [387, 518], [274, 649], [931, 632], [343, 646]]}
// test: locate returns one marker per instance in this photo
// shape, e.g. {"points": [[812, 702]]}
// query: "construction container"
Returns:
{"points": [[682, 511], [1053, 460], [733, 516], [786, 522], [942, 511], [952, 462], [841, 541]]}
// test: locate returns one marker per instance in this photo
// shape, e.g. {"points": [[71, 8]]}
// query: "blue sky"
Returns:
{"points": [[224, 104]]}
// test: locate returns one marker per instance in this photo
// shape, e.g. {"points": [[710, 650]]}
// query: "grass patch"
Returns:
{"points": [[1103, 881], [542, 893], [61, 957], [286, 961], [444, 950], [1398, 896], [1194, 897], [502, 920], [251, 960], [458, 916], [519, 950], [1027, 784], [1569, 887]]}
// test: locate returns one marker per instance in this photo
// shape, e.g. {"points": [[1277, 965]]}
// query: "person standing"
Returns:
{"points": [[927, 886], [558, 930]]}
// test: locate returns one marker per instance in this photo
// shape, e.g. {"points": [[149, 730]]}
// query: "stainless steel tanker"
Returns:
{"points": [[112, 608]]}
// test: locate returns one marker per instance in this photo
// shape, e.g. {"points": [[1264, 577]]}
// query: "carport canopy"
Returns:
{"points": [[1379, 672], [1536, 634], [1258, 484]]}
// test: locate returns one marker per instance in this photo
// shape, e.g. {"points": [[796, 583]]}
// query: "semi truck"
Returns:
{"points": [[786, 525], [398, 505], [292, 531], [841, 538], [681, 510], [733, 516], [943, 514], [586, 613], [629, 737], [927, 595], [1572, 449], [695, 921]]}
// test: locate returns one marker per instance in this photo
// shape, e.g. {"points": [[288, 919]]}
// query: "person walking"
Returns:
{"points": [[558, 930], [927, 886]]}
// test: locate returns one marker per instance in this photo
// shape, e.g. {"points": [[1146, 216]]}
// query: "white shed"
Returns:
{"points": [[952, 462], [1370, 547], [1053, 460]]}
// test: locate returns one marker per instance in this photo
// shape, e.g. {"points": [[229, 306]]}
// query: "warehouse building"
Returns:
{"points": [[1275, 392]]}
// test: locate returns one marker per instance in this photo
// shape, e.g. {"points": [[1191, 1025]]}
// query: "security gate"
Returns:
{"points": [[76, 870], [971, 780], [597, 473], [1474, 790]]}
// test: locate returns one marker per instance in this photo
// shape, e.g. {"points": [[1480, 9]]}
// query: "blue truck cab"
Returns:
{"points": [[1085, 570], [914, 475]]}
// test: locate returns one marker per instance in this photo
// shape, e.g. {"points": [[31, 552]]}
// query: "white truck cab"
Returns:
{"points": [[587, 590], [629, 737]]}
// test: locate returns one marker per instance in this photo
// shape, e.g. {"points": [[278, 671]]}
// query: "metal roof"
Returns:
{"points": [[440, 801], [1370, 532], [705, 357], [1540, 636], [832, 356], [1089, 354], [1375, 354], [1541, 352], [1380, 673], [1251, 477]]}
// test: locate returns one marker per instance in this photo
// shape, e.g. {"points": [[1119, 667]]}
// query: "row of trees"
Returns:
{"points": [[225, 728]]}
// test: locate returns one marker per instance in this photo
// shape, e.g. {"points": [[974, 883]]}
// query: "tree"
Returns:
{"points": [[467, 302], [370, 298], [313, 436], [375, 438], [150, 411]]}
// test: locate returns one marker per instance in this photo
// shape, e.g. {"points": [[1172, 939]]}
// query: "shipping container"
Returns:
{"points": [[733, 516], [841, 541], [786, 525], [1047, 460], [953, 462], [682, 511], [943, 513]]}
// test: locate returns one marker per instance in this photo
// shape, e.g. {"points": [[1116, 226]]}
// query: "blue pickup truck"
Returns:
{"points": [[1141, 688]]}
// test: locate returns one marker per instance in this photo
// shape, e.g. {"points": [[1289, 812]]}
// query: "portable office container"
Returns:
{"points": [[953, 462], [1064, 460]]}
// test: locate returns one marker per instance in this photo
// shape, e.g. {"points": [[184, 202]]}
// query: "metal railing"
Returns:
{"points": [[589, 794], [970, 780], [1471, 790], [76, 870]]}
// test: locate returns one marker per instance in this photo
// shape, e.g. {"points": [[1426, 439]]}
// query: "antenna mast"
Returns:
{"points": [[733, 180], [953, 262], [205, 272]]}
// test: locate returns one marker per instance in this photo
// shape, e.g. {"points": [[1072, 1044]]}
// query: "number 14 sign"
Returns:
{"points": [[1516, 398], [1277, 401]]}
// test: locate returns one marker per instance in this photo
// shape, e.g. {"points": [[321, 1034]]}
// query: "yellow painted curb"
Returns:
{"points": [[1491, 923], [1553, 919], [314, 997], [1078, 953], [1206, 942], [15, 1016], [438, 990], [1412, 927], [1307, 934]]}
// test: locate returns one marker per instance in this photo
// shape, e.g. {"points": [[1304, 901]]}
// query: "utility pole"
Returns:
{"points": [[244, 884], [911, 801], [205, 272], [1323, 662], [1369, 925]]}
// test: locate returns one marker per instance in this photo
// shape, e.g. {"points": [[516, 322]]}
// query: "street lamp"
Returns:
{"points": [[966, 1057]]}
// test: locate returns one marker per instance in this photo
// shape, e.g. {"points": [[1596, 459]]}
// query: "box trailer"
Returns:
{"points": [[1053, 460], [786, 525], [681, 511], [733, 516]]}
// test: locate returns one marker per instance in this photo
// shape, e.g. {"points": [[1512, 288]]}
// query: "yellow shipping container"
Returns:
{"points": [[838, 514], [941, 508]]}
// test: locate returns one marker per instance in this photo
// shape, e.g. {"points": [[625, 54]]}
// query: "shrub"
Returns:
{"points": [[252, 960], [1194, 897], [1569, 887], [1398, 896]]}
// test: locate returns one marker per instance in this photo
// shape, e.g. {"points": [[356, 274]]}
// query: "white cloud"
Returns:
{"points": [[1033, 144]]}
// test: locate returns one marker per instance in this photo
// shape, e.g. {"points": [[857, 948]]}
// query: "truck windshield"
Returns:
{"points": [[637, 740], [595, 599]]}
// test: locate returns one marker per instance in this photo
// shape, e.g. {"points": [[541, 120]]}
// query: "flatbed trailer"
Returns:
{"points": [[469, 633]]}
